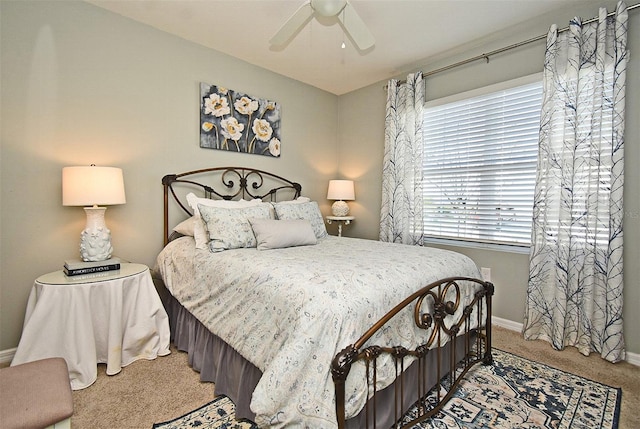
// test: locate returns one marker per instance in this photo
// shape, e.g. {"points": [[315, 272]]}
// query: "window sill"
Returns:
{"points": [[477, 245]]}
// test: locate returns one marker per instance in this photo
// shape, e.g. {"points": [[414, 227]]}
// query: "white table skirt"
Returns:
{"points": [[114, 321]]}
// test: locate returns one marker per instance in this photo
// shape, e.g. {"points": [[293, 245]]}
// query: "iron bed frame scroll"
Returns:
{"points": [[236, 182], [444, 298]]}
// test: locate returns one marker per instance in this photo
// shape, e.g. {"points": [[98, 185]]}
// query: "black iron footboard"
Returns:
{"points": [[433, 307]]}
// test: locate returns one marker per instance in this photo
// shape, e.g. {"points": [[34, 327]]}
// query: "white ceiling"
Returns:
{"points": [[405, 32]]}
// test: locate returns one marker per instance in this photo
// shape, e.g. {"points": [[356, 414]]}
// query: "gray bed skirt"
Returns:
{"points": [[235, 377], [215, 360]]}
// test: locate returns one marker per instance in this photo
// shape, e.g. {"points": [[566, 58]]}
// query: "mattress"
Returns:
{"points": [[289, 311]]}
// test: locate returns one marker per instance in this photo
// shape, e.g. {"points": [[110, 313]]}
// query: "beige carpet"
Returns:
{"points": [[148, 392]]}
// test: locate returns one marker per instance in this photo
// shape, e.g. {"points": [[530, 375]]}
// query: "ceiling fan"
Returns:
{"points": [[342, 9]]}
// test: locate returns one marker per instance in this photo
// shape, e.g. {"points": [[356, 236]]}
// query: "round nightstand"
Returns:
{"points": [[346, 220], [60, 278], [113, 317]]}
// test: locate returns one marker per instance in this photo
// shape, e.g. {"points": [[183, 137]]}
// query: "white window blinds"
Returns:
{"points": [[480, 157]]}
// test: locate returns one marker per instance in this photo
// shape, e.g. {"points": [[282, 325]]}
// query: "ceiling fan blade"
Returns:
{"points": [[293, 25], [356, 28]]}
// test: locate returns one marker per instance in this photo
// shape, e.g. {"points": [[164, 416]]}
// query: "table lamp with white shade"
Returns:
{"points": [[91, 186], [340, 191]]}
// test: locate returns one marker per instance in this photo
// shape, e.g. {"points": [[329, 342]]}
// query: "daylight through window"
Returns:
{"points": [[480, 157]]}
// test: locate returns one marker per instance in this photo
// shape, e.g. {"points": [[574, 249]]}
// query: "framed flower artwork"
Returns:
{"points": [[237, 122]]}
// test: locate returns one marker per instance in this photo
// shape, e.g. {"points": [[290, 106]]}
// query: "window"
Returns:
{"points": [[480, 154]]}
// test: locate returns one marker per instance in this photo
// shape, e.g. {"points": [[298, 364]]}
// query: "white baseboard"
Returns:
{"points": [[632, 358], [507, 324], [6, 356]]}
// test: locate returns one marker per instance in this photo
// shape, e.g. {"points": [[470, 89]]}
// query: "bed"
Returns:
{"points": [[303, 329]]}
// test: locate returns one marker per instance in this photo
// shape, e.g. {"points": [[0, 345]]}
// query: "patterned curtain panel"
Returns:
{"points": [[574, 295], [401, 217]]}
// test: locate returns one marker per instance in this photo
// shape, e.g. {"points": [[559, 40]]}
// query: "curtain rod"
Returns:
{"points": [[507, 48]]}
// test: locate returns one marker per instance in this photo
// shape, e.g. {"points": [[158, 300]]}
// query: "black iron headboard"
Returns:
{"points": [[225, 183]]}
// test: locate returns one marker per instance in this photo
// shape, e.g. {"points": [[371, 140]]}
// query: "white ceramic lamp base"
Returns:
{"points": [[95, 240], [340, 208]]}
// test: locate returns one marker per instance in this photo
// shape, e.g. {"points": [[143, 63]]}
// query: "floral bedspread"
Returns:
{"points": [[289, 311]]}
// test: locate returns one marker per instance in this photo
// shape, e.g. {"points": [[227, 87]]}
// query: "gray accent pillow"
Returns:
{"points": [[276, 234]]}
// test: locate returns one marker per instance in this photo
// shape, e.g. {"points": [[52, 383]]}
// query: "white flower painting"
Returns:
{"points": [[238, 122]]}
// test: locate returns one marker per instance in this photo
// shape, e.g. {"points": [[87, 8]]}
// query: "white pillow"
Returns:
{"points": [[298, 200], [229, 228], [309, 211], [276, 234], [199, 231], [186, 227]]}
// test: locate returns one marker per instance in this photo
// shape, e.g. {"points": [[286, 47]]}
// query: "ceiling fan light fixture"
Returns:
{"points": [[328, 7], [349, 19]]}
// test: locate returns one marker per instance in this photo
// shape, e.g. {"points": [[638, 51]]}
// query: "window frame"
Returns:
{"points": [[500, 86]]}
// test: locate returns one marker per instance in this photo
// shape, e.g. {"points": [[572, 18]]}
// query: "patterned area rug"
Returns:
{"points": [[217, 414], [518, 393], [512, 393]]}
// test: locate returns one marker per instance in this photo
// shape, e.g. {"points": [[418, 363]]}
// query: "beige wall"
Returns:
{"points": [[361, 142], [81, 85]]}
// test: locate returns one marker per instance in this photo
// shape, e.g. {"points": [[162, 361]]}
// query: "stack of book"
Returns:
{"points": [[76, 267]]}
